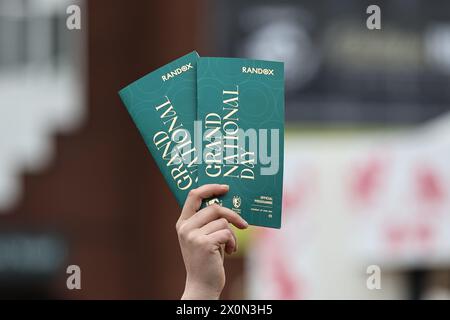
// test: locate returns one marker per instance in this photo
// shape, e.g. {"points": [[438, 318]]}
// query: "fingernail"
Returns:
{"points": [[225, 186], [245, 223]]}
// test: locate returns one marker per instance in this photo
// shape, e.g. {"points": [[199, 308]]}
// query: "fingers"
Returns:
{"points": [[216, 225], [215, 212], [210, 223], [224, 236], [195, 197]]}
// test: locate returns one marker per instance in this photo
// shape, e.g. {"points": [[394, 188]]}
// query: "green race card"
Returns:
{"points": [[241, 105], [163, 106]]}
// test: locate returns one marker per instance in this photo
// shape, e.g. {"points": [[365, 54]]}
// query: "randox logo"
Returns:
{"points": [[176, 72], [267, 72]]}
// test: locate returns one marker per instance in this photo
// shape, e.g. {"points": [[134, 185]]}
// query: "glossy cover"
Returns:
{"points": [[243, 94], [163, 106]]}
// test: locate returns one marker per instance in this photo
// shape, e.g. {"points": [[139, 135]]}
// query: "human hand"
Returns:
{"points": [[202, 235]]}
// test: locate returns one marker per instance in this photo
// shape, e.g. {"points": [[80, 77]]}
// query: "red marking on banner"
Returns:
{"points": [[396, 236], [367, 180], [423, 234], [292, 197], [429, 186]]}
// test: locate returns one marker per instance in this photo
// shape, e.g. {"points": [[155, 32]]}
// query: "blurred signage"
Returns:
{"points": [[400, 193], [351, 201], [337, 70]]}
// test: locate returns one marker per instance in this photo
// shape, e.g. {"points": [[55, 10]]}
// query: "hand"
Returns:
{"points": [[202, 235]]}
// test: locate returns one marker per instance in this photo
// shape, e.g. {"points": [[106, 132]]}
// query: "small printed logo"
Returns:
{"points": [[214, 201], [176, 72], [237, 201], [266, 72]]}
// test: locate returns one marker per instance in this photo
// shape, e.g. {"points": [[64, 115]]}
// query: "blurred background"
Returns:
{"points": [[367, 163]]}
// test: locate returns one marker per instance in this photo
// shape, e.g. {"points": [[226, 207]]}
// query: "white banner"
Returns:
{"points": [[352, 201]]}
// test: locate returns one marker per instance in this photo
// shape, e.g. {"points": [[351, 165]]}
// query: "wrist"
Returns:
{"points": [[197, 291]]}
